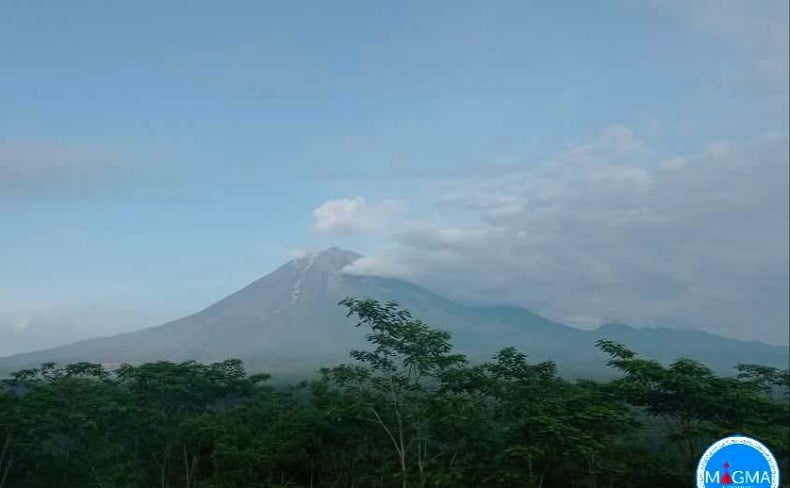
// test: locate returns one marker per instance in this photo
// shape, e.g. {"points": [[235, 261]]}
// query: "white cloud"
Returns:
{"points": [[354, 216], [298, 253], [604, 231]]}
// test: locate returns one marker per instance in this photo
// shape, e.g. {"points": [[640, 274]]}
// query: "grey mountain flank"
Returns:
{"points": [[289, 322]]}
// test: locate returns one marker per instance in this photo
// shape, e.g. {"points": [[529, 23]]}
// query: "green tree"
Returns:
{"points": [[698, 406], [164, 396], [8, 409], [391, 387]]}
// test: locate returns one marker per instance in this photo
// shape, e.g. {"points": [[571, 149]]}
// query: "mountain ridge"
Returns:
{"points": [[289, 319]]}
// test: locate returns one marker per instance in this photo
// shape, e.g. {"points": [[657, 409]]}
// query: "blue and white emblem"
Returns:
{"points": [[738, 462]]}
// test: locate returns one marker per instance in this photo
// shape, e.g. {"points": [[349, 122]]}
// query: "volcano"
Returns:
{"points": [[289, 322]]}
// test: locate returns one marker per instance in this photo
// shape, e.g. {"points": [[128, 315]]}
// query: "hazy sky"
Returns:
{"points": [[593, 161]]}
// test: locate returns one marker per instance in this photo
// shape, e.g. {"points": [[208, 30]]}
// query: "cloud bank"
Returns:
{"points": [[608, 232]]}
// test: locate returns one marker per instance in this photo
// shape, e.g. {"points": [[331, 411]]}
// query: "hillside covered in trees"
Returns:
{"points": [[407, 411]]}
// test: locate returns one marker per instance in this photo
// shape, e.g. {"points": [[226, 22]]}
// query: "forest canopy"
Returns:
{"points": [[408, 411]]}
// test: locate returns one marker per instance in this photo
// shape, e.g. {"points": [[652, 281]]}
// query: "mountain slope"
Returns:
{"points": [[289, 321]]}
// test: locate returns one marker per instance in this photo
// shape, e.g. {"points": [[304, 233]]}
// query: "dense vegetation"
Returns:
{"points": [[408, 412]]}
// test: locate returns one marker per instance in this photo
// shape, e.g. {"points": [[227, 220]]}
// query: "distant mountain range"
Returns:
{"points": [[289, 323]]}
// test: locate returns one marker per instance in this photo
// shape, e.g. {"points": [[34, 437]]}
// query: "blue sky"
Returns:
{"points": [[157, 156]]}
